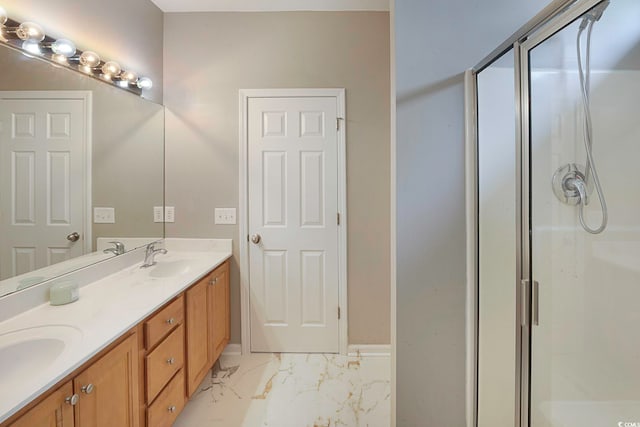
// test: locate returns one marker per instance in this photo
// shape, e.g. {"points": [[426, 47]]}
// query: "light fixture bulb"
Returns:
{"points": [[30, 31], [86, 69], [123, 84], [145, 83], [129, 77], [89, 59], [32, 47], [64, 47], [111, 68], [3, 16]]}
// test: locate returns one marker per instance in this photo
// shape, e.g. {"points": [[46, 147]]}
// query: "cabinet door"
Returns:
{"points": [[219, 311], [108, 389], [197, 334], [53, 411]]}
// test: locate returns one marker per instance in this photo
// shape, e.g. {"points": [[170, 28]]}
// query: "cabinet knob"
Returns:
{"points": [[171, 361], [87, 389], [171, 321], [72, 400], [171, 409], [213, 281]]}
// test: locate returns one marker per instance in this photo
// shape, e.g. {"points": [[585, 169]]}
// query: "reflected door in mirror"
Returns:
{"points": [[43, 173]]}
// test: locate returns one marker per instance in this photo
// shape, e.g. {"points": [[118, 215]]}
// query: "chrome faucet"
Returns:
{"points": [[118, 250], [150, 254]]}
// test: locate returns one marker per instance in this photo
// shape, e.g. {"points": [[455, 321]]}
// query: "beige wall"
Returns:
{"points": [[209, 57], [126, 31], [435, 42]]}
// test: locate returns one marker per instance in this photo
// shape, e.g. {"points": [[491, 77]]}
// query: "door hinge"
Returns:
{"points": [[338, 313], [338, 218], [338, 122], [248, 238]]}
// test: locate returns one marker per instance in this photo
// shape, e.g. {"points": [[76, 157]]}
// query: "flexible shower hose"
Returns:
{"points": [[585, 89]]}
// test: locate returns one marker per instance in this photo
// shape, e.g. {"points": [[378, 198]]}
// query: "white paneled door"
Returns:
{"points": [[42, 193], [293, 224]]}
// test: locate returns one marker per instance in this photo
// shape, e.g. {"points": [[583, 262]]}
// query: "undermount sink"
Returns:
{"points": [[27, 351], [169, 268]]}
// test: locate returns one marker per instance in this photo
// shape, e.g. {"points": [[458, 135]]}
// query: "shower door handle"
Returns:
{"points": [[530, 304], [535, 304]]}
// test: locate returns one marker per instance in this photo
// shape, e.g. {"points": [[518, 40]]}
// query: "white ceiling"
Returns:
{"points": [[269, 5]]}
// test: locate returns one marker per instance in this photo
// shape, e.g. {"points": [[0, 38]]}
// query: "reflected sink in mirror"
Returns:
{"points": [[164, 269], [28, 351]]}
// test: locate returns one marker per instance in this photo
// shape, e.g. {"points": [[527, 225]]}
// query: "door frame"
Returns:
{"points": [[86, 97], [243, 217]]}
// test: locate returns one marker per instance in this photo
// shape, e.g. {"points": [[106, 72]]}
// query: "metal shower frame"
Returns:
{"points": [[552, 19]]}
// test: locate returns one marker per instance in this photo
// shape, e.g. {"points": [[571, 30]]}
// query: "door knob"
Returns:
{"points": [[73, 237], [255, 238]]}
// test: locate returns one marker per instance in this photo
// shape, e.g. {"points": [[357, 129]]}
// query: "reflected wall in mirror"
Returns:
{"points": [[70, 145]]}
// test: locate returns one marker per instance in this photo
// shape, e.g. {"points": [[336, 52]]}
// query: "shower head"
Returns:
{"points": [[594, 14]]}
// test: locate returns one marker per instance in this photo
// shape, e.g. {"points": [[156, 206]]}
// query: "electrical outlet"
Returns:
{"points": [[158, 214], [225, 216], [169, 214], [104, 215]]}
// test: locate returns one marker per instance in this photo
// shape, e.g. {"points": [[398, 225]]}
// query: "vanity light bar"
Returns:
{"points": [[30, 38]]}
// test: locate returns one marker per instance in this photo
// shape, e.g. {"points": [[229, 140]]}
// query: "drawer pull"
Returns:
{"points": [[171, 361], [171, 321], [171, 409], [87, 389], [72, 400]]}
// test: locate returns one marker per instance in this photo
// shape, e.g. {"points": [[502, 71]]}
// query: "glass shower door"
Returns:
{"points": [[584, 151]]}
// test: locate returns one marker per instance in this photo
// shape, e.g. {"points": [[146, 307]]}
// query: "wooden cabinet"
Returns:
{"points": [[108, 389], [164, 362], [54, 411], [197, 308], [146, 377], [105, 394], [164, 356], [207, 313], [169, 403], [219, 318]]}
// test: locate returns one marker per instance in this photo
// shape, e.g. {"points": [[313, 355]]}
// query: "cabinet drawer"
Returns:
{"points": [[166, 408], [164, 322], [164, 361]]}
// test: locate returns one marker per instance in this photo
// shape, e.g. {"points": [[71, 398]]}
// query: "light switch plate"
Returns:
{"points": [[158, 214], [225, 216], [169, 214], [104, 215]]}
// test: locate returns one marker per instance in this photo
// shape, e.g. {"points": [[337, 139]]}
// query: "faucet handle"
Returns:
{"points": [[118, 250]]}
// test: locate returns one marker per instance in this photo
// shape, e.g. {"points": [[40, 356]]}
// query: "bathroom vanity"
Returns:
{"points": [[129, 353]]}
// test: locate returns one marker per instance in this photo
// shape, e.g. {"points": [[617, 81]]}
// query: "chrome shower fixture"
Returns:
{"points": [[570, 183], [594, 14]]}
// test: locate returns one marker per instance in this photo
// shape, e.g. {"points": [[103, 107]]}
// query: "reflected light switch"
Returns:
{"points": [[104, 215]]}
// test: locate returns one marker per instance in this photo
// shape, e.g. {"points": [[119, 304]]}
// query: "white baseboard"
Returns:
{"points": [[232, 350], [370, 350]]}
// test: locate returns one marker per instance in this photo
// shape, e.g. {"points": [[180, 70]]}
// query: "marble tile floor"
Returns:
{"points": [[292, 390]]}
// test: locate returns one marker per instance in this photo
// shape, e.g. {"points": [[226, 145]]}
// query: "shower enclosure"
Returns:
{"points": [[554, 220]]}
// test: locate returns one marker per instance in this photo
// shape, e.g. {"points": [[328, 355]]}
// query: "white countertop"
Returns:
{"points": [[107, 308]]}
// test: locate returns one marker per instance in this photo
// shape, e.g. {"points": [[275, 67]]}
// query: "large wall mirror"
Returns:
{"points": [[82, 163]]}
